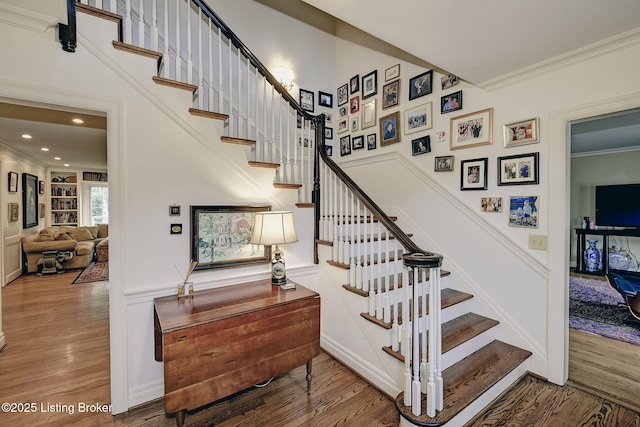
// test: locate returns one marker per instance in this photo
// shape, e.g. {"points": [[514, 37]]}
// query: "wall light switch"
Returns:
{"points": [[538, 241]]}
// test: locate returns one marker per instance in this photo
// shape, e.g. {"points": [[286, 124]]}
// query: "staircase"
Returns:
{"points": [[449, 359]]}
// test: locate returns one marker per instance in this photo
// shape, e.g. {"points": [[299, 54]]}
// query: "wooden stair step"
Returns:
{"points": [[342, 265], [239, 141], [392, 286], [455, 332], [467, 380], [286, 186], [305, 205], [174, 83], [137, 50], [208, 114], [266, 165]]}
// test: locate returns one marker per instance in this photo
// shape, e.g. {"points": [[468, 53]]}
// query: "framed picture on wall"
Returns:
{"points": [[370, 84], [29, 200], [451, 102], [325, 99], [472, 130], [390, 94], [521, 133], [307, 100], [523, 211], [421, 85], [473, 174], [389, 132], [13, 182], [343, 95], [519, 169], [418, 118]]}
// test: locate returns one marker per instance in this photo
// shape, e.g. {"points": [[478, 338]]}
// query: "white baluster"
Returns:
{"points": [[141, 23], [128, 33], [416, 407], [406, 333], [165, 67], [178, 47], [359, 243], [199, 93]]}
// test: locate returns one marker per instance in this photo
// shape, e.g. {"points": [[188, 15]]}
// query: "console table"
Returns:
{"points": [[582, 237], [224, 340]]}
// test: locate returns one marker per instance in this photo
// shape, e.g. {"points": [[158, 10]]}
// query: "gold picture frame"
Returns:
{"points": [[472, 129]]}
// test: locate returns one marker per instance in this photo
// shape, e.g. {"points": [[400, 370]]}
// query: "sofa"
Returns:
{"points": [[81, 242]]}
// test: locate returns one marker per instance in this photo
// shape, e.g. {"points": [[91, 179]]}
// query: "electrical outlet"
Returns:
{"points": [[538, 241]]}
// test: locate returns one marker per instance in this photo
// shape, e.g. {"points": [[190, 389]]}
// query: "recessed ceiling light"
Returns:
{"points": [[27, 136], [78, 121], [66, 164], [44, 149], [57, 158]]}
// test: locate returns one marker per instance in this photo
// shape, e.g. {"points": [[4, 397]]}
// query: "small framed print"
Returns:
{"points": [[354, 104], [325, 99], [358, 142], [390, 94], [421, 85], [418, 118], [473, 174], [328, 118], [13, 212], [521, 133], [368, 114], [443, 164], [329, 150], [519, 169], [371, 141], [472, 129], [343, 125], [176, 228], [307, 100], [491, 204], [345, 145], [370, 84], [392, 73], [389, 133], [343, 94], [328, 133], [354, 84], [354, 124], [174, 210], [451, 102], [13, 182], [343, 111], [523, 211], [448, 81], [421, 145]]}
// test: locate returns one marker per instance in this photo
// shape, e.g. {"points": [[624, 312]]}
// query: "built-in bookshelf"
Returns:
{"points": [[64, 198]]}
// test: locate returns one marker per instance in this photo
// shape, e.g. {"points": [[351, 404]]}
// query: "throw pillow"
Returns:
{"points": [[46, 235], [64, 236], [81, 234]]}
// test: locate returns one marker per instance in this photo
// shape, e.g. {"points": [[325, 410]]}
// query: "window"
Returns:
{"points": [[99, 207]]}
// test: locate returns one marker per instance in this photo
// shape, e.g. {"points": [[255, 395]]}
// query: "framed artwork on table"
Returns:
{"points": [[519, 169], [443, 164], [451, 102], [345, 145], [343, 94], [370, 84], [421, 85], [390, 94], [325, 99], [523, 211], [354, 84], [368, 114], [472, 129], [307, 101], [521, 133], [473, 174], [418, 118], [389, 133], [421, 145], [220, 237], [392, 73], [29, 200]]}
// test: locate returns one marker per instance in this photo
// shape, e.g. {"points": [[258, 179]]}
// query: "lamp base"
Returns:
{"points": [[278, 281]]}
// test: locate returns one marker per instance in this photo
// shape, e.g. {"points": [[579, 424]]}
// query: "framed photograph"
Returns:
{"points": [[345, 145], [174, 210], [354, 84], [343, 94], [13, 182], [421, 85], [368, 114], [370, 84], [343, 111], [29, 200], [523, 211], [220, 237], [491, 204], [472, 130], [451, 102], [329, 150], [389, 133], [519, 169], [354, 124], [354, 104], [521, 133], [41, 210], [371, 141], [328, 133], [392, 73], [473, 174], [358, 142], [13, 212], [307, 100], [448, 81], [328, 118], [343, 125], [325, 99], [418, 118], [175, 229], [421, 145], [443, 164], [390, 94]]}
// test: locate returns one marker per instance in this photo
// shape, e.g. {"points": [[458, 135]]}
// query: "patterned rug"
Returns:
{"points": [[596, 307], [95, 272]]}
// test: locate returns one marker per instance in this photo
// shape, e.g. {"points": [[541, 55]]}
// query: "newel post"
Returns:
{"points": [[67, 32]]}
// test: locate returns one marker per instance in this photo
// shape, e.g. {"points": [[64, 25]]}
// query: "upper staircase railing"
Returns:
{"points": [[197, 48]]}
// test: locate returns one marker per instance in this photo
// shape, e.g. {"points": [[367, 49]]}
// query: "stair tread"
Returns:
{"points": [[266, 165], [286, 185], [209, 114], [174, 83], [467, 380], [239, 141], [457, 331]]}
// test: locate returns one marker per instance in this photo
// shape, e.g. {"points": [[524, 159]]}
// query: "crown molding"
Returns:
{"points": [[26, 19]]}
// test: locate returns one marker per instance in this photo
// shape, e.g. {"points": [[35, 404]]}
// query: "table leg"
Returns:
{"points": [[180, 416], [309, 376]]}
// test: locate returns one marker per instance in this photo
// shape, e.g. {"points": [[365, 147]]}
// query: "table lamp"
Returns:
{"points": [[274, 228]]}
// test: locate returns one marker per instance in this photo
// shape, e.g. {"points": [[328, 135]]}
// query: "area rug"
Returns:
{"points": [[596, 307], [95, 272]]}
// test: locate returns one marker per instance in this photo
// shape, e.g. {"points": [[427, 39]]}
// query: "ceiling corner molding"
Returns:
{"points": [[27, 19], [604, 47]]}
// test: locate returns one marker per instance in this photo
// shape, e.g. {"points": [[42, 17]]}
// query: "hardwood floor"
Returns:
{"points": [[57, 355]]}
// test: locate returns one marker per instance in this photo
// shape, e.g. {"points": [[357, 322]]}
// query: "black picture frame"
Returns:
{"points": [[345, 145], [371, 141], [354, 84], [29, 200], [421, 145], [357, 142], [390, 94], [519, 169], [473, 174], [328, 133], [13, 182], [307, 100], [220, 237], [421, 85], [451, 102], [325, 99], [370, 84], [343, 94]]}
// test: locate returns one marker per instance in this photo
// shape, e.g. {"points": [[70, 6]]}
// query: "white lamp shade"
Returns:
{"points": [[273, 228]]}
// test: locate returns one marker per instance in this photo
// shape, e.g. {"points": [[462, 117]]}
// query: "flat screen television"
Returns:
{"points": [[618, 205]]}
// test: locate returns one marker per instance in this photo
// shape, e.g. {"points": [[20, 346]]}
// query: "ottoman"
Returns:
{"points": [[102, 250]]}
